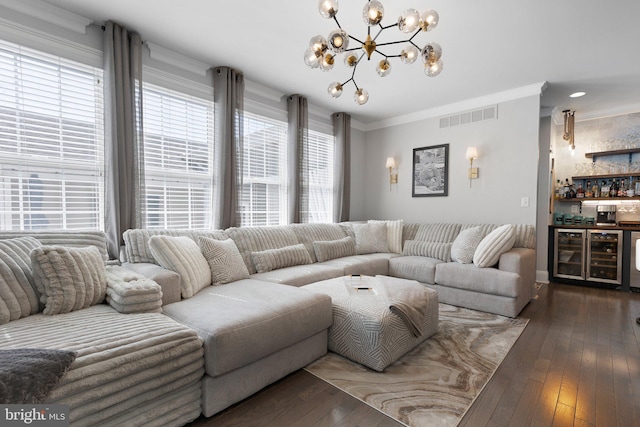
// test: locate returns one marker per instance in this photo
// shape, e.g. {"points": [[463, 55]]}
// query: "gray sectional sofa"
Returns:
{"points": [[255, 324]]}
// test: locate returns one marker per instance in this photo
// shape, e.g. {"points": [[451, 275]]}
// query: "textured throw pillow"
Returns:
{"points": [[69, 279], [331, 249], [496, 243], [438, 250], [182, 255], [18, 296], [394, 234], [465, 245], [272, 259], [371, 238], [224, 259]]}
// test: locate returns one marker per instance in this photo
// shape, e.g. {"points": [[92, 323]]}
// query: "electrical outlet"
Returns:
{"points": [[524, 202], [575, 209]]}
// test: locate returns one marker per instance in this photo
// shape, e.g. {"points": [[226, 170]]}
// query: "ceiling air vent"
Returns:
{"points": [[488, 113]]}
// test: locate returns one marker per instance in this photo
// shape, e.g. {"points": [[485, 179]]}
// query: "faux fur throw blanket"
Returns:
{"points": [[28, 375], [410, 303]]}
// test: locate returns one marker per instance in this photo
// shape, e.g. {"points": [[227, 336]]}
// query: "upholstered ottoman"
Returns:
{"points": [[372, 317]]}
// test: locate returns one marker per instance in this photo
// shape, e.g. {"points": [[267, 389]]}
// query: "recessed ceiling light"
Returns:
{"points": [[577, 94]]}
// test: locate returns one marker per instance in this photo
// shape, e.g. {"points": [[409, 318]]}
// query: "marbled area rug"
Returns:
{"points": [[436, 382]]}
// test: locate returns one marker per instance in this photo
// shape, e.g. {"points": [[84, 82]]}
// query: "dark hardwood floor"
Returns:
{"points": [[577, 363]]}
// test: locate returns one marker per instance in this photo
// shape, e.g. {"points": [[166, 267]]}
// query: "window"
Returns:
{"points": [[320, 154], [178, 159], [264, 162], [51, 142]]}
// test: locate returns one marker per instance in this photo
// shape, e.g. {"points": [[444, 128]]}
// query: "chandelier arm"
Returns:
{"points": [[337, 23], [379, 32], [359, 41], [396, 42], [415, 34], [388, 26], [415, 45]]}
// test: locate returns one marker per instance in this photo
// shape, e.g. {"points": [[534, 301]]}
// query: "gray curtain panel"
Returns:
{"points": [[124, 178], [298, 163], [341, 166], [228, 86]]}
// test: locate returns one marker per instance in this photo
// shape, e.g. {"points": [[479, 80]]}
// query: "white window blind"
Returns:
{"points": [[320, 155], [264, 162], [178, 159], [51, 142]]}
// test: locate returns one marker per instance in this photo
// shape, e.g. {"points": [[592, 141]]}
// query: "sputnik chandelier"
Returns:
{"points": [[322, 52]]}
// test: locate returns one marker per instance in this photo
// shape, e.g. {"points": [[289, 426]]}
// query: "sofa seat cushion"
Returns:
{"points": [[366, 265], [244, 321], [124, 361], [473, 278], [420, 268], [300, 275]]}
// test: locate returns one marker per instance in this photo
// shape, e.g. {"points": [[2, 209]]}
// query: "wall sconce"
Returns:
{"points": [[393, 177], [472, 153]]}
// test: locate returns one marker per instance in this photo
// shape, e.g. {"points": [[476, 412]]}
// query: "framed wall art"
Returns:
{"points": [[431, 171]]}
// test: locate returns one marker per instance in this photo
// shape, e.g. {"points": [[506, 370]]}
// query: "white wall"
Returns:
{"points": [[508, 169]]}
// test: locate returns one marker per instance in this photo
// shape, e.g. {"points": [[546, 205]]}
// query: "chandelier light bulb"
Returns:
{"points": [[335, 89], [361, 96], [328, 8], [372, 12], [409, 54], [318, 44], [409, 21], [433, 69], [431, 53], [384, 68], [350, 60], [327, 62], [338, 40], [312, 58], [429, 20]]}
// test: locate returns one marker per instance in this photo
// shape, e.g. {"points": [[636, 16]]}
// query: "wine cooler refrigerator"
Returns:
{"points": [[591, 255]]}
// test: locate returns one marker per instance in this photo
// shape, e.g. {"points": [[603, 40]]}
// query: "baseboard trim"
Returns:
{"points": [[542, 276]]}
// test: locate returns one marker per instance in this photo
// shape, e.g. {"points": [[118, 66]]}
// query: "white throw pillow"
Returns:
{"points": [[332, 249], [224, 260], [465, 245], [496, 243], [182, 255], [371, 238], [273, 259], [18, 296], [69, 279], [394, 234]]}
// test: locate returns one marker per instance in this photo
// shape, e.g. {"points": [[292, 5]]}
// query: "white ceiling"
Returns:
{"points": [[489, 47]]}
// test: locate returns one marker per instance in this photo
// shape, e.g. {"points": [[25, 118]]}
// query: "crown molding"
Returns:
{"points": [[49, 13], [469, 104], [176, 59]]}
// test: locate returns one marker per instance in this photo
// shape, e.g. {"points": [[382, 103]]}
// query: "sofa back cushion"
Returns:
{"points": [[438, 232], [18, 297], [256, 239], [69, 279], [66, 238], [136, 241], [309, 233], [465, 245]]}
